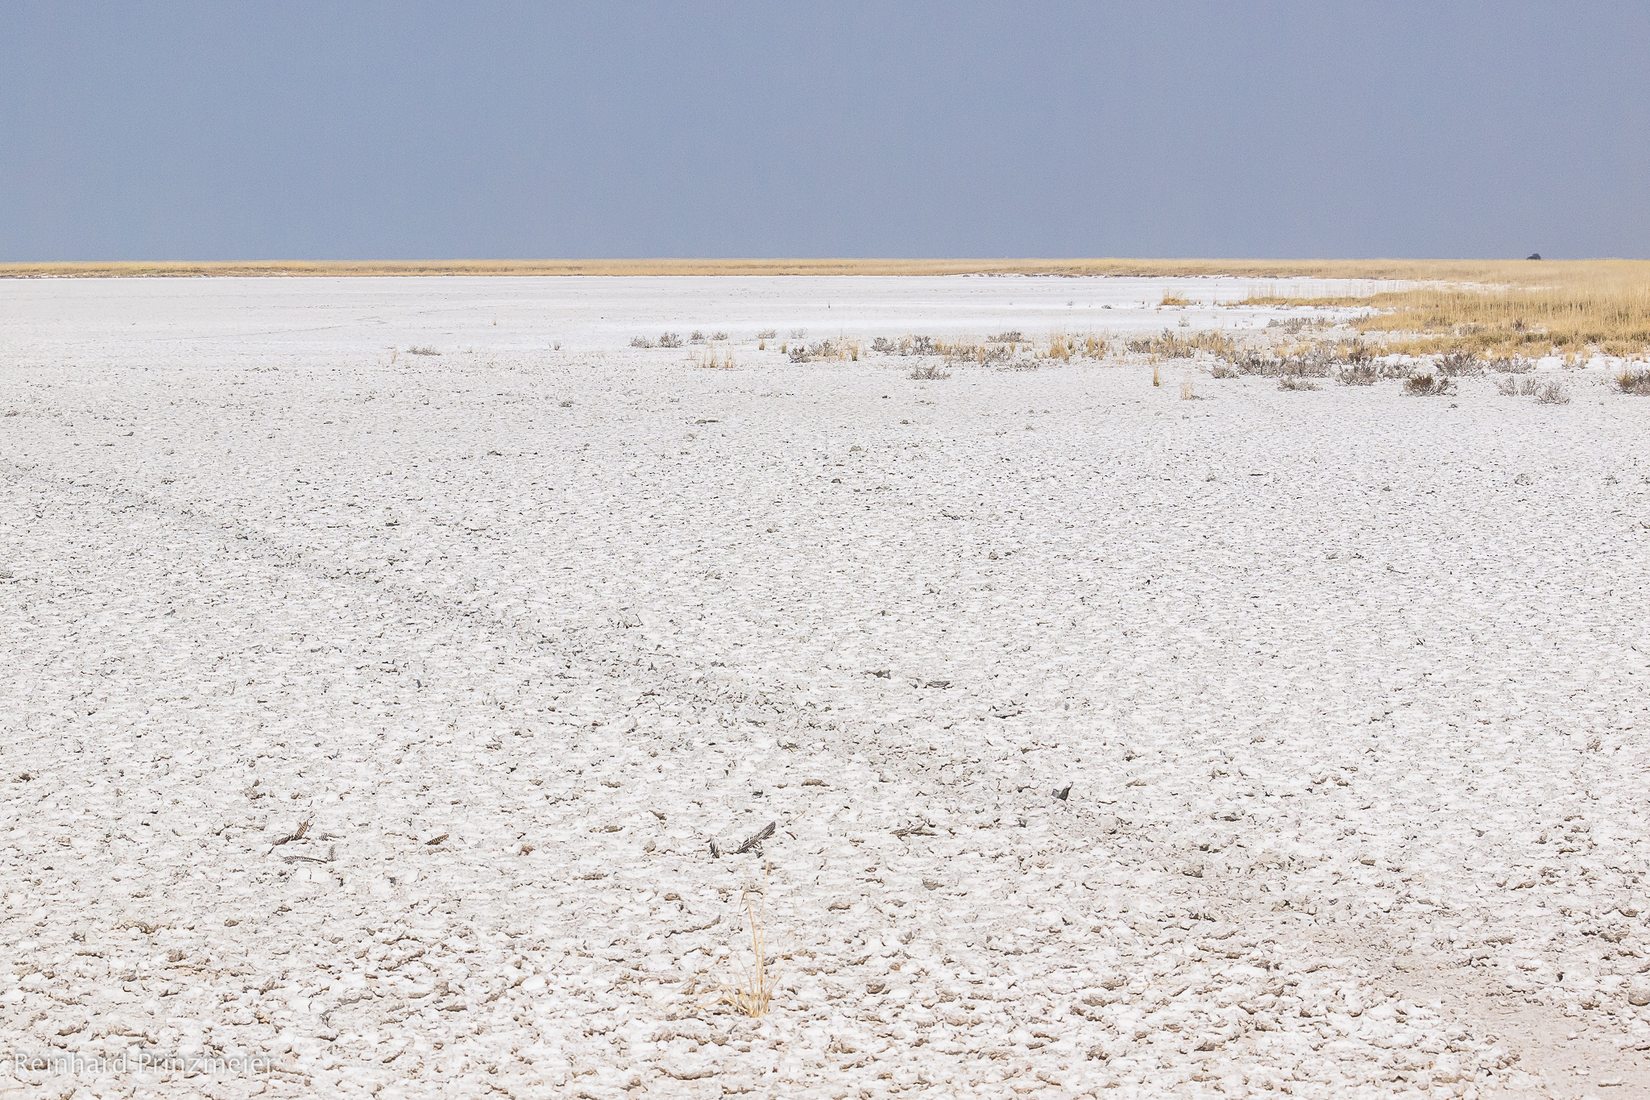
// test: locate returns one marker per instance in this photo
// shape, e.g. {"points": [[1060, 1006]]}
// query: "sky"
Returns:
{"points": [[244, 129]]}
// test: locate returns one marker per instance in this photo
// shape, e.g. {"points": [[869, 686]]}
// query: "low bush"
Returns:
{"points": [[1634, 380], [1428, 385]]}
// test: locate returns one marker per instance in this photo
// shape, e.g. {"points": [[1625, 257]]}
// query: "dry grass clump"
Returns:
{"points": [[1634, 380], [1187, 392], [421, 350], [824, 351], [1359, 374], [1300, 362], [1295, 382], [1173, 345], [1428, 385], [665, 340], [905, 345], [1297, 325], [1548, 392], [714, 360], [751, 993], [1459, 364], [1173, 298], [1360, 366], [1006, 350], [1551, 393]]}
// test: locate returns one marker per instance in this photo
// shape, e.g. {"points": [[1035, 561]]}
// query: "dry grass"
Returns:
{"points": [[1427, 385], [1489, 307], [1636, 382], [1173, 298], [751, 993], [1009, 350], [823, 351], [1551, 393], [1510, 311], [1172, 345]]}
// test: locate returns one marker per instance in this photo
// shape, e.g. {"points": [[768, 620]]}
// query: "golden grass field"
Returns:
{"points": [[1496, 307]]}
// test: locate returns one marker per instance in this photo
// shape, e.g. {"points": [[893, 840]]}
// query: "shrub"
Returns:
{"points": [[1295, 382], [670, 340], [767, 334], [1634, 381], [1551, 393], [1357, 353], [823, 349], [929, 372], [1359, 374], [1458, 364], [640, 342], [1172, 345], [1427, 385]]}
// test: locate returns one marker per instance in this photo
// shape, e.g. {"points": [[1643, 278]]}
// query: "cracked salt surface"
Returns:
{"points": [[375, 716]]}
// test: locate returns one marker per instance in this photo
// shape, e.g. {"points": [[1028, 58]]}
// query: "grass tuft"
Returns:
{"points": [[751, 994], [1635, 380], [1428, 385]]}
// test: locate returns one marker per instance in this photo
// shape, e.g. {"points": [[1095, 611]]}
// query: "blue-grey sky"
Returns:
{"points": [[242, 129]]}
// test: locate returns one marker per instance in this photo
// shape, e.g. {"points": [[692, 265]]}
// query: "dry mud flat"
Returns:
{"points": [[374, 720]]}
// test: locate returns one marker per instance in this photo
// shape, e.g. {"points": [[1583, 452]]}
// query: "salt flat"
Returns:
{"points": [[375, 713]]}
